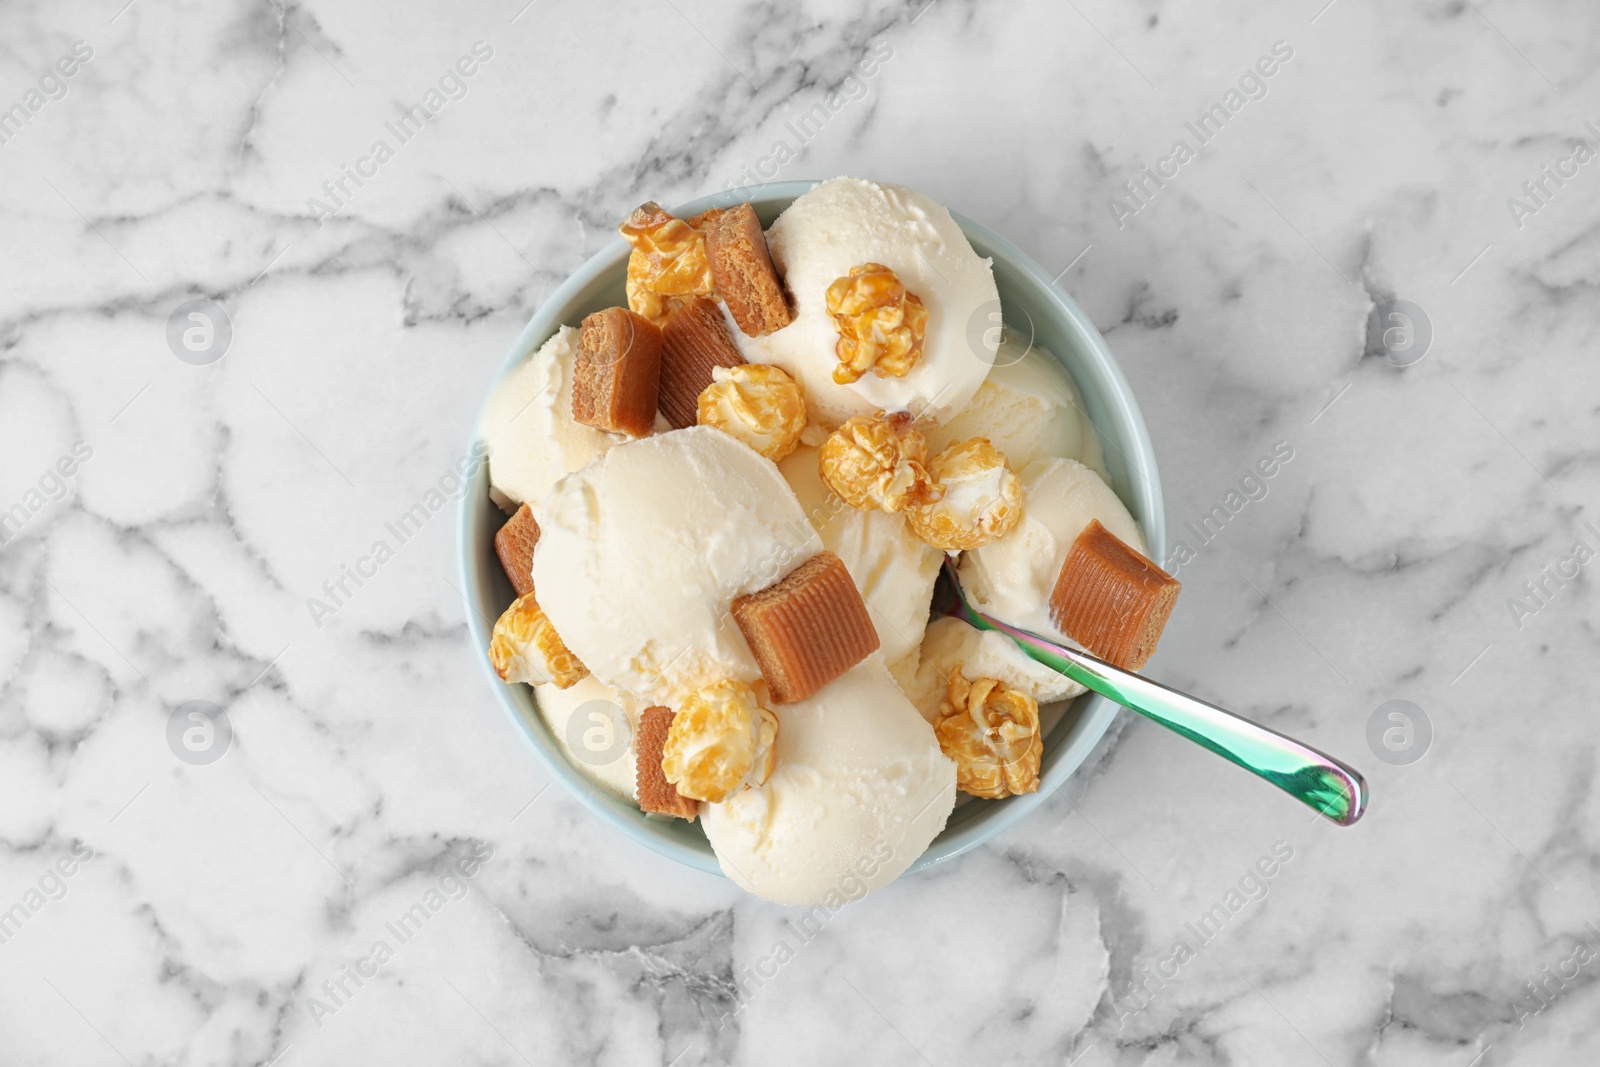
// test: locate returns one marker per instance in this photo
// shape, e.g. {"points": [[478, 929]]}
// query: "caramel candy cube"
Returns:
{"points": [[1111, 599], [694, 339], [656, 794], [514, 545], [807, 629], [616, 372], [742, 266]]}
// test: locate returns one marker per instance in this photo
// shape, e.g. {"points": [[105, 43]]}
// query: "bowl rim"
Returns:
{"points": [[1144, 484]]}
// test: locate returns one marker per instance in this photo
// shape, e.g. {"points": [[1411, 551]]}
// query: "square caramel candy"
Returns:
{"points": [[742, 267], [616, 372], [656, 794], [514, 545], [808, 628], [1111, 599], [694, 339]]}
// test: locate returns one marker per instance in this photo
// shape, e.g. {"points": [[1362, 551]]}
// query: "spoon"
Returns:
{"points": [[1331, 787]]}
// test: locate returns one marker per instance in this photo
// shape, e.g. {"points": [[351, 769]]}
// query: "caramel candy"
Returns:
{"points": [[694, 340], [1111, 599], [616, 372], [807, 629], [656, 794], [514, 545], [746, 279]]}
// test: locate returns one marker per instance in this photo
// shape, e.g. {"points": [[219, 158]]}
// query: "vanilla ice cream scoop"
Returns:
{"points": [[533, 439], [1012, 578], [1028, 408], [642, 552], [861, 789], [594, 726], [894, 571], [952, 643], [845, 223]]}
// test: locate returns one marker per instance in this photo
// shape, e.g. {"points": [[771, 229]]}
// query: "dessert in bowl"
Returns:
{"points": [[721, 486]]}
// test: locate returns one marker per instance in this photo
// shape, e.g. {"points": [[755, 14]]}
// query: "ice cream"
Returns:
{"points": [[951, 643], [601, 722], [860, 790], [1012, 578], [894, 571], [742, 630], [642, 552], [1028, 408], [532, 437], [845, 223]]}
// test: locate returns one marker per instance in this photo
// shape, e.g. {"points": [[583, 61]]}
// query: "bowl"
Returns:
{"points": [[1032, 305]]}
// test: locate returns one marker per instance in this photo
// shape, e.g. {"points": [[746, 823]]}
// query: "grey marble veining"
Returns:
{"points": [[1430, 540]]}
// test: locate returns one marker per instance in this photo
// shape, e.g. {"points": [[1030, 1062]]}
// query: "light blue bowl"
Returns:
{"points": [[1031, 302]]}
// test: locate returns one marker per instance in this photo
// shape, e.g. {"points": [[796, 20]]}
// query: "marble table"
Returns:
{"points": [[1360, 235]]}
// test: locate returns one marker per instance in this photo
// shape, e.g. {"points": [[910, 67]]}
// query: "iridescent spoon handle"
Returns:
{"points": [[1330, 786]]}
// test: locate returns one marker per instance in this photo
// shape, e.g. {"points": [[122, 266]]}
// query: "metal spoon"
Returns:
{"points": [[1333, 788]]}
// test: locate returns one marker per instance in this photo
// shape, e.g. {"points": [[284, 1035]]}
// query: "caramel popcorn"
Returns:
{"points": [[873, 461], [982, 498], [992, 732], [881, 326], [757, 404], [641, 301], [668, 261], [721, 740], [526, 648]]}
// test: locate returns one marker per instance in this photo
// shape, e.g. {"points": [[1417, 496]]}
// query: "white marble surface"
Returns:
{"points": [[368, 760]]}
